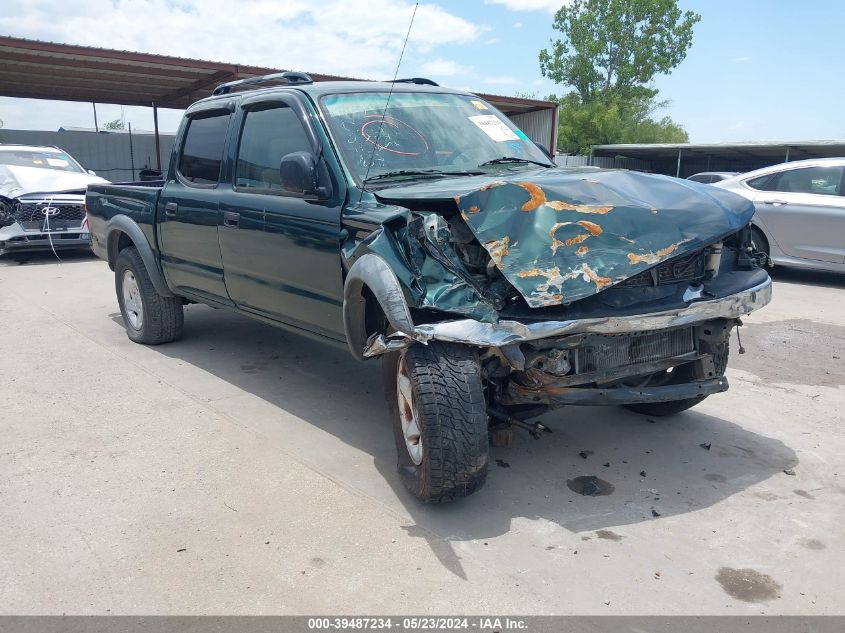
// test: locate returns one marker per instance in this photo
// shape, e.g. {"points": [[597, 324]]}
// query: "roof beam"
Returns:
{"points": [[13, 73], [109, 66]]}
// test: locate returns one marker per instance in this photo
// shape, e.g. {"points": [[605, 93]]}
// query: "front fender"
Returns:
{"points": [[124, 224], [373, 272]]}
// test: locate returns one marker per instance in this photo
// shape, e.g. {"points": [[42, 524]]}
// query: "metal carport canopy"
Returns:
{"points": [[45, 70], [767, 149]]}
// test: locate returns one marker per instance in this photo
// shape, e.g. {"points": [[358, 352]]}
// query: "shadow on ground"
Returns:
{"points": [[40, 258], [657, 467], [807, 277]]}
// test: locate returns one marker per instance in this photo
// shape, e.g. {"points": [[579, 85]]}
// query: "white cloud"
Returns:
{"points": [[500, 81], [360, 39], [517, 25], [530, 5], [444, 68], [741, 60]]}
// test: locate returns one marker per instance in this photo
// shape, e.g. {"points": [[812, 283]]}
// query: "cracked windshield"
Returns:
{"points": [[425, 133]]}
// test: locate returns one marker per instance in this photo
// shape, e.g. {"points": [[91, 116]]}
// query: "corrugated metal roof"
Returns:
{"points": [[49, 70]]}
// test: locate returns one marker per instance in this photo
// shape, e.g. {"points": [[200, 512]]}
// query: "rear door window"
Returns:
{"points": [[825, 181], [202, 151], [268, 134], [763, 183]]}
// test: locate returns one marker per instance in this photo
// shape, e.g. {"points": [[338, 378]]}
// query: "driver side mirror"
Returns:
{"points": [[300, 175]]}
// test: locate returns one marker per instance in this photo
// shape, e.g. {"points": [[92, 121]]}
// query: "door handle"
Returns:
{"points": [[171, 208], [231, 219], [777, 203]]}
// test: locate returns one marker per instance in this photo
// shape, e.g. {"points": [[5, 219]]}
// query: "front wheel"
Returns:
{"points": [[678, 375], [439, 418], [149, 318], [759, 243]]}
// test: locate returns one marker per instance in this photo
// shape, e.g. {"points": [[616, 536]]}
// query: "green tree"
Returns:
{"points": [[609, 53], [612, 119], [117, 124]]}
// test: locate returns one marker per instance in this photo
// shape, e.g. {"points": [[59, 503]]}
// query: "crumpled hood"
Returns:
{"points": [[560, 235], [16, 181]]}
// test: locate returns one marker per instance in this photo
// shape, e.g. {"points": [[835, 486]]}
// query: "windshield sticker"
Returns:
{"points": [[493, 127], [521, 134], [479, 105], [57, 162]]}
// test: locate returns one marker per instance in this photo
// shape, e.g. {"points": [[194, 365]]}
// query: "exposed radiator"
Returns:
{"points": [[617, 350]]}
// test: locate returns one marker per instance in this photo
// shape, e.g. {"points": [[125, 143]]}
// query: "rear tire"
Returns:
{"points": [[679, 375], [150, 319], [439, 418]]}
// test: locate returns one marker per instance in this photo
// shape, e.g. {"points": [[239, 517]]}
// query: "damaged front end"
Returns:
{"points": [[578, 287]]}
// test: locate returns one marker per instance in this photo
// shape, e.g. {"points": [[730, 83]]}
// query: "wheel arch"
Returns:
{"points": [[372, 291], [122, 232]]}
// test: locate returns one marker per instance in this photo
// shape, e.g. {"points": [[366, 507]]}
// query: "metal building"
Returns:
{"points": [[685, 159], [114, 155]]}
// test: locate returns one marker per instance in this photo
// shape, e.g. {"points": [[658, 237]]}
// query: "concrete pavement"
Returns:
{"points": [[247, 470]]}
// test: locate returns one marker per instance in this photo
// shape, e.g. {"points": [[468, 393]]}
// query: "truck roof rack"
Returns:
{"points": [[420, 81], [288, 77]]}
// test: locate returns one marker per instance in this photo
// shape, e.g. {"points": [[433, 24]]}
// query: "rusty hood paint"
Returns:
{"points": [[560, 235]]}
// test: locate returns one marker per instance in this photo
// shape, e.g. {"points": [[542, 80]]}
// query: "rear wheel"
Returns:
{"points": [[676, 376], [439, 417], [149, 318]]}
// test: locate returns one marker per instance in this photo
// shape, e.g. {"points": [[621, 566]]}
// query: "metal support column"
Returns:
{"points": [[786, 160], [158, 147], [96, 126], [678, 170]]}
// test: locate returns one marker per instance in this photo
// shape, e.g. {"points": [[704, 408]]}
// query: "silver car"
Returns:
{"points": [[42, 199], [709, 177], [800, 218]]}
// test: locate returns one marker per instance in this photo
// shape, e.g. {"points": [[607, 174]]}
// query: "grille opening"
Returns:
{"points": [[688, 268], [603, 352]]}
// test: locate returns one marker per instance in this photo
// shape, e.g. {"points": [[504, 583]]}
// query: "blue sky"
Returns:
{"points": [[757, 70]]}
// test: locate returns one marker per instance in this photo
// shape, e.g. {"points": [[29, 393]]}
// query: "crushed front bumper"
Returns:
{"points": [[42, 242], [504, 333]]}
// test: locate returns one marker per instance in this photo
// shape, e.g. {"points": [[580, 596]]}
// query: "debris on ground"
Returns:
{"points": [[655, 513], [642, 473], [502, 463], [790, 472], [585, 454], [706, 446]]}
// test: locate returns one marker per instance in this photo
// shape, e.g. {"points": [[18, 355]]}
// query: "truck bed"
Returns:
{"points": [[136, 200]]}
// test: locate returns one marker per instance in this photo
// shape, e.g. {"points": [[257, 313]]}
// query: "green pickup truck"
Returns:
{"points": [[419, 224]]}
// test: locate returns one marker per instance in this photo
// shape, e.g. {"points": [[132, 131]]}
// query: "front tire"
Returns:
{"points": [[150, 319], [760, 244], [439, 418]]}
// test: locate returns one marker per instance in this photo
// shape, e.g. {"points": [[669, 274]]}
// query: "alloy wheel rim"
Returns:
{"points": [[408, 413], [133, 306]]}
